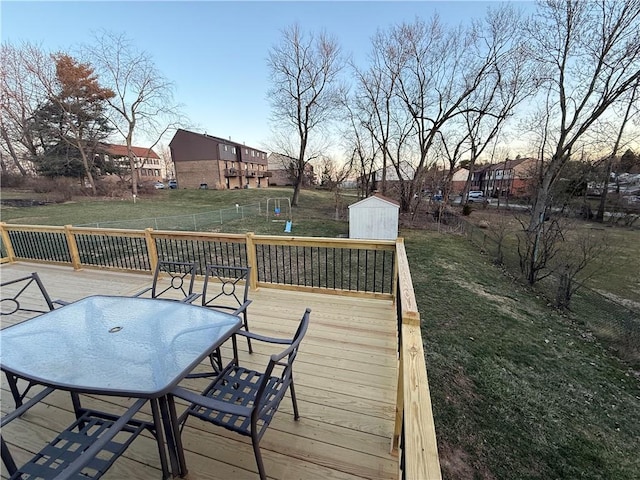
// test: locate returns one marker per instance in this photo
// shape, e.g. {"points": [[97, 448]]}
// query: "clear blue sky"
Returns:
{"points": [[216, 52]]}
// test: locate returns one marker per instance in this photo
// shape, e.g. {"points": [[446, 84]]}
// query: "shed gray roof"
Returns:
{"points": [[376, 198]]}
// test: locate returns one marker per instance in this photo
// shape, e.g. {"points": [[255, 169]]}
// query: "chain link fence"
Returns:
{"points": [[201, 222], [614, 322]]}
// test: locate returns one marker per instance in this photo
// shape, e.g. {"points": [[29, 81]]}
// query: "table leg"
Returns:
{"points": [[177, 435], [158, 425], [174, 442]]}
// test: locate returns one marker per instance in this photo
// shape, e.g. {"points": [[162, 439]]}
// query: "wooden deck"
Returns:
{"points": [[345, 374]]}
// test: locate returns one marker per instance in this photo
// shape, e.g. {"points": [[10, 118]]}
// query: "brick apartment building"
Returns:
{"points": [[205, 161]]}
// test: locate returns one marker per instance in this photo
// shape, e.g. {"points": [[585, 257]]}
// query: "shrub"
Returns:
{"points": [[12, 180]]}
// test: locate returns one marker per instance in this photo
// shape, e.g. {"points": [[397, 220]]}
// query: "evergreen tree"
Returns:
{"points": [[73, 122]]}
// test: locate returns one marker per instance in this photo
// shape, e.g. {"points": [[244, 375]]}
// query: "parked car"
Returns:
{"points": [[158, 186], [173, 184], [476, 195]]}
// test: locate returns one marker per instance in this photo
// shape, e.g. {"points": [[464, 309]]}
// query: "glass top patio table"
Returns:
{"points": [[124, 346]]}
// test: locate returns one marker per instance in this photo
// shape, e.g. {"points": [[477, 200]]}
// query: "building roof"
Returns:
{"points": [[508, 164], [121, 151], [224, 141]]}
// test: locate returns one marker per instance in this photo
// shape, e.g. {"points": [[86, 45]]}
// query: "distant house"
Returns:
{"points": [[282, 169], [205, 161], [509, 178], [459, 180], [147, 162]]}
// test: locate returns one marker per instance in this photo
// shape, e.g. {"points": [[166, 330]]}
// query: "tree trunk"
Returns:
{"points": [[300, 164], [614, 152], [542, 195], [134, 174], [383, 190], [12, 152], [296, 192], [87, 170], [605, 191], [563, 294]]}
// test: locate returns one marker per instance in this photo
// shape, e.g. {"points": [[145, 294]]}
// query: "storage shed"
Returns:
{"points": [[375, 217]]}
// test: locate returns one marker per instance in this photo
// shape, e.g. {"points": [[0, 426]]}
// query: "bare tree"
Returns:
{"points": [[359, 143], [20, 96], [576, 263], [537, 250], [589, 55], [143, 105], [333, 176], [304, 93], [375, 102], [164, 152], [509, 81], [442, 73], [628, 114]]}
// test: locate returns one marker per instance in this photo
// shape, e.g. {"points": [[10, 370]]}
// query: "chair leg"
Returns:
{"points": [[7, 459], [246, 327], [256, 451], [216, 360], [15, 392], [296, 415]]}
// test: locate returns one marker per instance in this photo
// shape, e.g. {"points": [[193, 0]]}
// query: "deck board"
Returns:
{"points": [[345, 380]]}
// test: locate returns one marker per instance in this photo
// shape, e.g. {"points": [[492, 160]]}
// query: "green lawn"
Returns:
{"points": [[314, 216], [519, 390]]}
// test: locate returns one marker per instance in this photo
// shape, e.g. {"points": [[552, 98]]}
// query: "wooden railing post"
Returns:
{"points": [[6, 241], [151, 248], [252, 260], [394, 287], [73, 247]]}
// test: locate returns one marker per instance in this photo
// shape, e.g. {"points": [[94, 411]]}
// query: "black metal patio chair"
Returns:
{"points": [[226, 289], [84, 450], [243, 400], [182, 276], [25, 296]]}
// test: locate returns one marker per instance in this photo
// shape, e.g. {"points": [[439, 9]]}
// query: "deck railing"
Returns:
{"points": [[339, 266]]}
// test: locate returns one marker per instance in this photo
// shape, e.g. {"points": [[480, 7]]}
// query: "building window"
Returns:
{"points": [[226, 148], [246, 151], [233, 150]]}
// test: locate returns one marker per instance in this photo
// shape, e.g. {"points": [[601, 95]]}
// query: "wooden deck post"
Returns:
{"points": [[151, 248], [252, 261], [6, 241], [394, 285], [73, 247]]}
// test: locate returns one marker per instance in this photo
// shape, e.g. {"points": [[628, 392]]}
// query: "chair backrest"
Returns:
{"points": [[225, 287], [269, 396], [25, 294], [182, 277]]}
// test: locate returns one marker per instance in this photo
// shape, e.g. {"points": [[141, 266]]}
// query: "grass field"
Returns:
{"points": [[519, 390], [314, 216]]}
